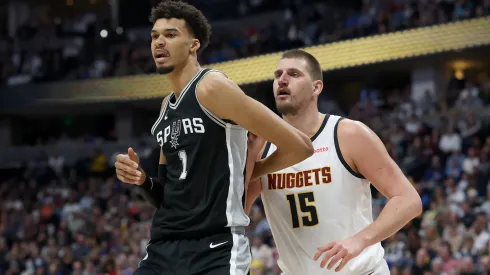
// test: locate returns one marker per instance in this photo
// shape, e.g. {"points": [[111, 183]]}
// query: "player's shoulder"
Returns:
{"points": [[352, 128], [215, 74], [215, 82], [353, 136], [211, 75]]}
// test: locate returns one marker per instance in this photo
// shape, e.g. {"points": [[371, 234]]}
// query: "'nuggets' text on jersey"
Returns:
{"points": [[299, 179]]}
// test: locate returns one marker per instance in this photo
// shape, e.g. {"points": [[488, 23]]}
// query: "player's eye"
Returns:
{"points": [[154, 36], [170, 35], [294, 74]]}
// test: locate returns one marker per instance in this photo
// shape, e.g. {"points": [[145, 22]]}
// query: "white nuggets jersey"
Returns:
{"points": [[318, 201]]}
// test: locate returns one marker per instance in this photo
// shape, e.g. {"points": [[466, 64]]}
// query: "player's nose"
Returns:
{"points": [[160, 42], [283, 80]]}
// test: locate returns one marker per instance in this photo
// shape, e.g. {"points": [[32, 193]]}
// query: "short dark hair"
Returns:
{"points": [[313, 66], [194, 19]]}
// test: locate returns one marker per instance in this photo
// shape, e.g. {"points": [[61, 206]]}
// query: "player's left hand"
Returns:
{"points": [[343, 251]]}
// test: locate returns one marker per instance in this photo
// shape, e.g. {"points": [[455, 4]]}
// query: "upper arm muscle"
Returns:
{"points": [[361, 147], [226, 100]]}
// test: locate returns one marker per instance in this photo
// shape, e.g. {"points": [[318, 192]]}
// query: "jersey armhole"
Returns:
{"points": [[162, 114], [339, 153], [217, 120], [266, 150]]}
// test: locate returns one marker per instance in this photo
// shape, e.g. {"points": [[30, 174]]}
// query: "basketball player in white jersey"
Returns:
{"points": [[319, 210]]}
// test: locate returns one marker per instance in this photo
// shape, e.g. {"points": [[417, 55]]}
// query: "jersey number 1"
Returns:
{"points": [[306, 205], [183, 158]]}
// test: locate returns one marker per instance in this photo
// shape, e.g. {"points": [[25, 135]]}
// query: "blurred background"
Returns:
{"points": [[77, 88]]}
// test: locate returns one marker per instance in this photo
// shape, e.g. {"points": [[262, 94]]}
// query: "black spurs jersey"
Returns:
{"points": [[206, 156]]}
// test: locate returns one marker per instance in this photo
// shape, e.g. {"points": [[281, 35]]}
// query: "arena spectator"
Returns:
{"points": [[60, 218], [66, 48]]}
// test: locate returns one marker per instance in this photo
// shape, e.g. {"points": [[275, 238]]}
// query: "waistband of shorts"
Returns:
{"points": [[156, 235]]}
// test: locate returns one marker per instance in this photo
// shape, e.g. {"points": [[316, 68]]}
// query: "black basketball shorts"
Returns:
{"points": [[221, 254]]}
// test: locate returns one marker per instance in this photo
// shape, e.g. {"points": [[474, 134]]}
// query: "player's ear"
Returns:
{"points": [[317, 87], [195, 45]]}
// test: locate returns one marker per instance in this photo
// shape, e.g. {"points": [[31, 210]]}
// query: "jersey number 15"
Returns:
{"points": [[307, 207]]}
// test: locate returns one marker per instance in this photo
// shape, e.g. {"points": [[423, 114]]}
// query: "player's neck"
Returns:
{"points": [[307, 122], [179, 78]]}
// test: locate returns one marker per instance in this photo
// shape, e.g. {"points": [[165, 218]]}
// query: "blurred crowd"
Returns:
{"points": [[61, 219], [442, 143], [48, 48]]}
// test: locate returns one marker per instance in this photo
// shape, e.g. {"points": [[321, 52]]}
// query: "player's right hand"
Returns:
{"points": [[128, 169]]}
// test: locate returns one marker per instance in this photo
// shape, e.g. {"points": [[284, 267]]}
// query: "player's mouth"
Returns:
{"points": [[161, 56], [283, 93]]}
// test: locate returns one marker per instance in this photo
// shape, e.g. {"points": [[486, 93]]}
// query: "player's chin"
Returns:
{"points": [[284, 107], [164, 69], [286, 103]]}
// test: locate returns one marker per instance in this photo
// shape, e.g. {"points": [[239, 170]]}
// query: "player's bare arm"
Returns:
{"points": [[366, 154], [253, 191], [225, 99], [129, 171], [256, 146]]}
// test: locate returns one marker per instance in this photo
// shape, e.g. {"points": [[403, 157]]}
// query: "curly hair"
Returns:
{"points": [[194, 19]]}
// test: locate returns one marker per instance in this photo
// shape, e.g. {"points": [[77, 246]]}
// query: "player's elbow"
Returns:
{"points": [[415, 204], [418, 205], [309, 149]]}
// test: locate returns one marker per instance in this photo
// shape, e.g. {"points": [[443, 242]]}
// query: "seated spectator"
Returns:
{"points": [[471, 161], [422, 262], [450, 142], [449, 263], [454, 165]]}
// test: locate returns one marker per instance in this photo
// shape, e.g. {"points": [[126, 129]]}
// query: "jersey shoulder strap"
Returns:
{"points": [[222, 122], [323, 127], [339, 152], [266, 150]]}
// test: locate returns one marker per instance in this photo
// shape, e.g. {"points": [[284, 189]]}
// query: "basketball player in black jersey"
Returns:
{"points": [[199, 223]]}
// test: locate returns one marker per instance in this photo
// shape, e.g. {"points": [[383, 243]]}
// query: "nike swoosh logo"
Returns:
{"points": [[216, 245]]}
